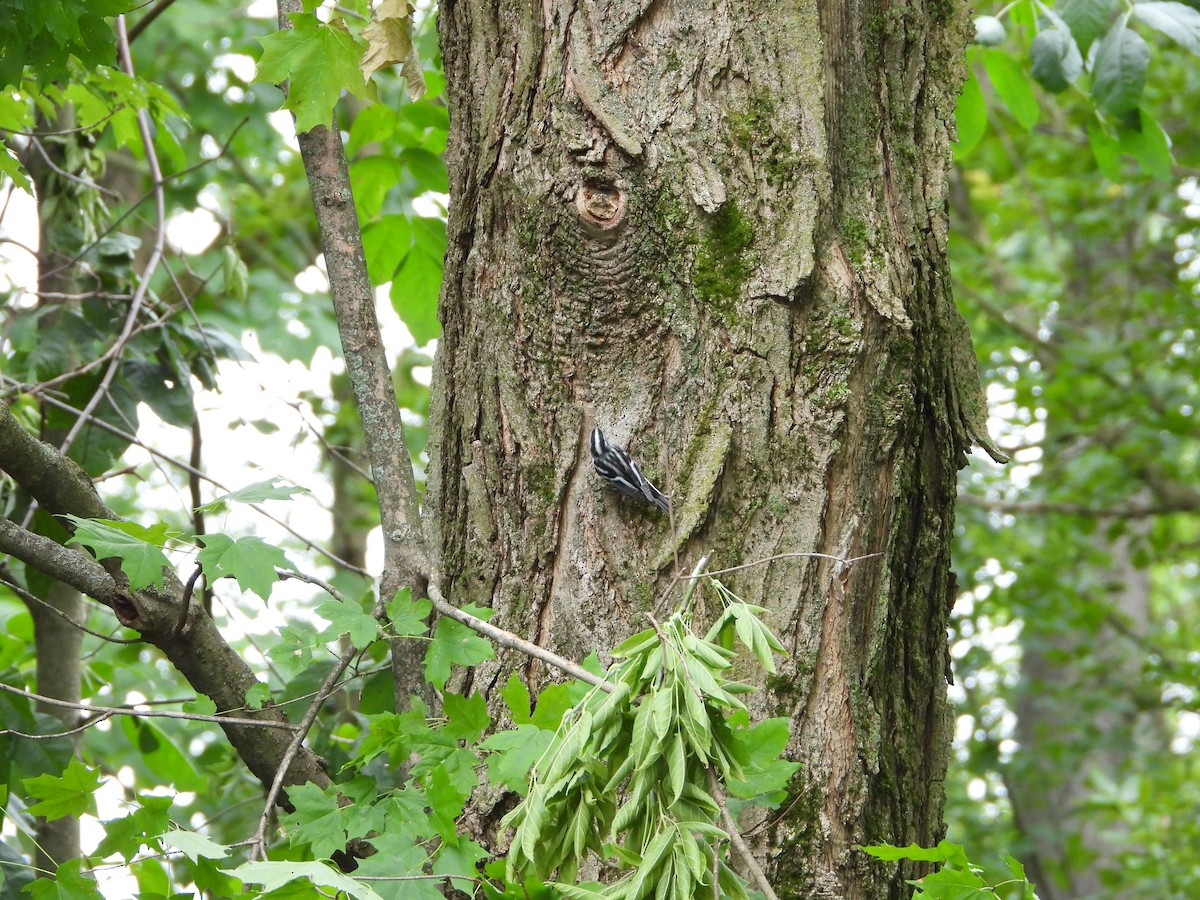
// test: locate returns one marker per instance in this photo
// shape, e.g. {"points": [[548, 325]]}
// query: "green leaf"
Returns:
{"points": [[417, 282], [1119, 70], [1148, 144], [459, 860], [158, 753], [250, 560], [255, 493], [1106, 149], [274, 875], [970, 114], [1008, 78], [1086, 19], [386, 244], [466, 717], [136, 546], [445, 804], [149, 818], [944, 852], [70, 794], [428, 169], [1055, 56], [319, 61], [513, 754], [194, 845], [320, 820], [69, 884], [348, 618], [455, 644], [10, 167], [516, 697], [1179, 22], [409, 618]]}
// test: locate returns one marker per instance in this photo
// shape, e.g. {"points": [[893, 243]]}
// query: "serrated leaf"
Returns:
{"points": [[347, 618], [513, 754], [409, 617], [455, 644], [10, 166], [250, 560], [272, 875], [137, 547], [466, 717], [516, 697], [319, 61], [1179, 22], [194, 845], [1119, 70], [255, 493], [69, 883], [70, 794]]}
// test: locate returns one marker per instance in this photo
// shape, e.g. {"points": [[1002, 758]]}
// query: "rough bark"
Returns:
{"points": [[718, 232]]}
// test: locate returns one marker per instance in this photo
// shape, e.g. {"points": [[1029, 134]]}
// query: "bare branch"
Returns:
{"points": [[735, 837], [30, 597], [406, 556], [259, 840], [146, 713]]}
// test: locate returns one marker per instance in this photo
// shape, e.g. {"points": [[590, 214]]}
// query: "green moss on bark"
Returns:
{"points": [[723, 265]]}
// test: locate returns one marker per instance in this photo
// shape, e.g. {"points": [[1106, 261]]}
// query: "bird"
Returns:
{"points": [[621, 473]]}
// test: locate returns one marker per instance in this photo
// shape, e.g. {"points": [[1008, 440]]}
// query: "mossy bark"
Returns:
{"points": [[718, 232]]}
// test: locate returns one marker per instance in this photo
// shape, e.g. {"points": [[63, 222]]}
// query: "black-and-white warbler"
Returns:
{"points": [[615, 467]]}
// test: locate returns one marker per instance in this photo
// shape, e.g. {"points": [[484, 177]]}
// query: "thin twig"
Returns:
{"points": [[767, 559], [259, 841], [285, 574], [735, 837], [146, 713], [184, 467], [103, 717], [156, 254], [144, 22], [30, 597]]}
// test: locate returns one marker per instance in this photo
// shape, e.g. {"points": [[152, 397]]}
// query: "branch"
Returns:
{"points": [[68, 566], [406, 556], [199, 651], [512, 641], [258, 843], [1183, 502], [141, 713], [735, 837]]}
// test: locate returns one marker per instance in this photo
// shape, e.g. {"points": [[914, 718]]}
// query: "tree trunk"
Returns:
{"points": [[719, 234]]}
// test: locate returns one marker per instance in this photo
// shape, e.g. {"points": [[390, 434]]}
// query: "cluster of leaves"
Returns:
{"points": [[1078, 283], [395, 148], [630, 772], [1063, 43], [626, 773], [958, 878]]}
